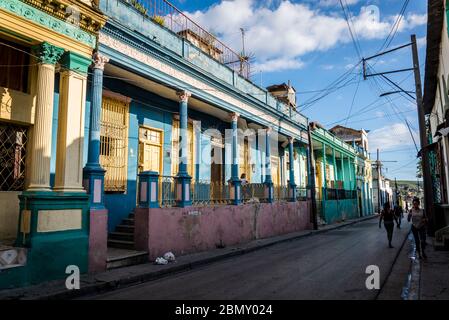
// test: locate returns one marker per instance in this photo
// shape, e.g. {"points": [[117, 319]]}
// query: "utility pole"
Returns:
{"points": [[428, 197], [312, 179], [378, 181]]}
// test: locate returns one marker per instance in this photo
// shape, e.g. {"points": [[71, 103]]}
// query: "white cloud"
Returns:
{"points": [[282, 31], [333, 3], [390, 137]]}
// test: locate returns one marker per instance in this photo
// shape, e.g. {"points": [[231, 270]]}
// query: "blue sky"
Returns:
{"points": [[308, 43]]}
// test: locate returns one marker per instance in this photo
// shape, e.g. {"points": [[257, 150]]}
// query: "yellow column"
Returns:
{"points": [[69, 149], [39, 170]]}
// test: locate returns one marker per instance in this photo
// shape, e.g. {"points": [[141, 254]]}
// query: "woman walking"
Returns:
{"points": [[419, 220], [388, 216]]}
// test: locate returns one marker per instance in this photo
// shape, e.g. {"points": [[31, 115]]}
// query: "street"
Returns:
{"points": [[329, 265]]}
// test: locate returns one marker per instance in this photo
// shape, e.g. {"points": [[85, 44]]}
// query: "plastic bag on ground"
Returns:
{"points": [[169, 256], [161, 261]]}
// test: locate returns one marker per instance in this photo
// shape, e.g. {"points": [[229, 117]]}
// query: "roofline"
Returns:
{"points": [[435, 23]]}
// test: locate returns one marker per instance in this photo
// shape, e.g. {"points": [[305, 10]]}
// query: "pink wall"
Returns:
{"points": [[98, 240], [193, 229]]}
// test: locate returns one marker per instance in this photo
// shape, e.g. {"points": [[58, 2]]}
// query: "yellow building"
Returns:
{"points": [[46, 48]]}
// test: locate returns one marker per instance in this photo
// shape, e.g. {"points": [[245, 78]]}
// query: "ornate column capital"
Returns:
{"points": [[269, 130], [291, 140], [48, 54], [234, 116], [99, 60], [183, 95]]}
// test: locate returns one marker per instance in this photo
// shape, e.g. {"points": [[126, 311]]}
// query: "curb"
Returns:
{"points": [[90, 285], [398, 253]]}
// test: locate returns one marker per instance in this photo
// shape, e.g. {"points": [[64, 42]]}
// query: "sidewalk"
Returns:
{"points": [[434, 280], [118, 278]]}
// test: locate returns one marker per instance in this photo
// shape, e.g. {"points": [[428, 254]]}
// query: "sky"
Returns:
{"points": [[309, 43]]}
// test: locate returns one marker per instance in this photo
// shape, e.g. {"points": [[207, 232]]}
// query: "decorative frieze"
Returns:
{"points": [[35, 15]]}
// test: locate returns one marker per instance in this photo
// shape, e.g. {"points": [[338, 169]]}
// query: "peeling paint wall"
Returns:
{"points": [[187, 230]]}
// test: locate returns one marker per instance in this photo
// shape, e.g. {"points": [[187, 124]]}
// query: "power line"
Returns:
{"points": [[395, 27], [355, 43], [353, 99]]}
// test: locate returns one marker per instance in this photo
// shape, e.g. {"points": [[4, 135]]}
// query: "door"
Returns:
{"points": [[150, 150], [244, 159]]}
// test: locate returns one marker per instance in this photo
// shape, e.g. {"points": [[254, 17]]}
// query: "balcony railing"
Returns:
{"points": [[209, 193], [340, 194], [167, 15]]}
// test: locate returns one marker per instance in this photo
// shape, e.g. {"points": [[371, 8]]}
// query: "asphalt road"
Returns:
{"points": [[330, 265]]}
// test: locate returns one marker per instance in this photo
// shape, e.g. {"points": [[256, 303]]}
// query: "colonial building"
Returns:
{"points": [[359, 140], [195, 154], [45, 51], [436, 106], [335, 180]]}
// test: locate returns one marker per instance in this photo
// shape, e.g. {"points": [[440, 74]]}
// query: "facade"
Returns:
{"points": [[359, 140], [169, 147], [335, 176], [436, 106], [385, 193], [45, 52]]}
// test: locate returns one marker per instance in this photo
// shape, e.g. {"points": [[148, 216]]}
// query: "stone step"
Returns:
{"points": [[121, 244], [118, 258], [129, 222], [125, 228], [117, 235], [131, 215]]}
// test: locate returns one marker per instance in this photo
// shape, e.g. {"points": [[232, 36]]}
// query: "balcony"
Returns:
{"points": [[166, 26]]}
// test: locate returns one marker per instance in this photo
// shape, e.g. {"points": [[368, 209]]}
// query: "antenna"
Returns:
{"points": [[243, 41]]}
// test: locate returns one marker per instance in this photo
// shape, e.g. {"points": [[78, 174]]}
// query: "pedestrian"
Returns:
{"points": [[419, 221], [399, 213], [243, 179], [387, 215]]}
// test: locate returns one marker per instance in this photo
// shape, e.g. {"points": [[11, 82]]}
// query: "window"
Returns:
{"points": [[114, 143], [14, 62], [13, 139]]}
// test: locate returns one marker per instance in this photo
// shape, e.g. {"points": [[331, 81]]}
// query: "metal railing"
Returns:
{"points": [[167, 15], [210, 193], [167, 189], [301, 194], [280, 193], [340, 194], [254, 192]]}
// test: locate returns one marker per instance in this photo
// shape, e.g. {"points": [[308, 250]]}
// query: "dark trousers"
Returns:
{"points": [[420, 238], [389, 226]]}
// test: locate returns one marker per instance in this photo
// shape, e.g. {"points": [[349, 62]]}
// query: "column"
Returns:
{"points": [[235, 187], [93, 172], [72, 101], [183, 180], [350, 174], [334, 160], [269, 189], [342, 159], [292, 185], [324, 172], [42, 131]]}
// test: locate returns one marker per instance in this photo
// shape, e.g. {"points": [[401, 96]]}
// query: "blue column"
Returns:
{"points": [[269, 189], [292, 184], [235, 187], [93, 173], [183, 180]]}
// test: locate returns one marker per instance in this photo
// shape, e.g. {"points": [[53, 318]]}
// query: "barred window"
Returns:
{"points": [[14, 62], [114, 143], [13, 139]]}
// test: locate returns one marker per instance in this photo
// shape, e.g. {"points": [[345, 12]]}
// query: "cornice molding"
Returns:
{"points": [[42, 18]]}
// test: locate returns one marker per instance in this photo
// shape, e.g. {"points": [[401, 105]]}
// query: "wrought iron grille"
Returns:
{"points": [[13, 140], [114, 143], [435, 169]]}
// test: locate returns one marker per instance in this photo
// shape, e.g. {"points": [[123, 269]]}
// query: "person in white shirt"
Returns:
{"points": [[418, 218]]}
